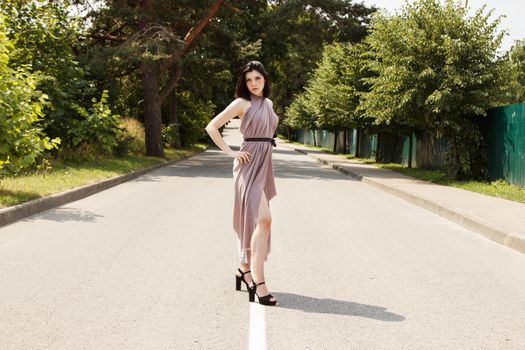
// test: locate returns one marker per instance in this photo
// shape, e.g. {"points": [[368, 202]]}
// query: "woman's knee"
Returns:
{"points": [[265, 222], [264, 219]]}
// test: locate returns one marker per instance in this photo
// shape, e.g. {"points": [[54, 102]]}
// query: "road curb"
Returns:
{"points": [[21, 211], [495, 234]]}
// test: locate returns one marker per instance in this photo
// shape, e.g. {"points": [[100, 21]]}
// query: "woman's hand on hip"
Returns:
{"points": [[243, 157]]}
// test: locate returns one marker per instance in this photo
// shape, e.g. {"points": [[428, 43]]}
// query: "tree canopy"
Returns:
{"points": [[294, 33], [517, 59], [334, 64]]}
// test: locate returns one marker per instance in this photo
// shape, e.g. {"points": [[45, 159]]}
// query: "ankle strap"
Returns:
{"points": [[243, 273], [258, 284]]}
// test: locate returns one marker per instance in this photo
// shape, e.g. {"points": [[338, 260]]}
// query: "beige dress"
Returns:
{"points": [[253, 178]]}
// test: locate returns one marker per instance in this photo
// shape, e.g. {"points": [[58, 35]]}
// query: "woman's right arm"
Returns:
{"points": [[234, 109]]}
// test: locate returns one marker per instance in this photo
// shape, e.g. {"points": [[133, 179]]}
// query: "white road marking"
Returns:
{"points": [[257, 327]]}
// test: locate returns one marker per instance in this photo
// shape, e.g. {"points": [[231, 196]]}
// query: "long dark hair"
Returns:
{"points": [[242, 90]]}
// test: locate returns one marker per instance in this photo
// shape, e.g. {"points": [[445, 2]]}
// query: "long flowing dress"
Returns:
{"points": [[256, 176]]}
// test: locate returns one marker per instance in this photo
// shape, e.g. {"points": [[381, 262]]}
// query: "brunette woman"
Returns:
{"points": [[253, 175]]}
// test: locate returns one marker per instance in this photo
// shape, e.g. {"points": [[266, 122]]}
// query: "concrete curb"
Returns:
{"points": [[495, 234], [21, 211]]}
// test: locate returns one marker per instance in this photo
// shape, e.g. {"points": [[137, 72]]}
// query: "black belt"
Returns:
{"points": [[261, 139]]}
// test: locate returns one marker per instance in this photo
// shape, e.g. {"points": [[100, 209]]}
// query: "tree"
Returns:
{"points": [[207, 68], [210, 69], [150, 38], [331, 97], [335, 87], [438, 70]]}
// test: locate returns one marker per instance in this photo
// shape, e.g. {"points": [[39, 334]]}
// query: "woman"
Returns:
{"points": [[253, 175]]}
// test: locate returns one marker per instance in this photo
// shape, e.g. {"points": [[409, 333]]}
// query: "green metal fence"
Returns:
{"points": [[367, 145], [391, 148], [306, 136], [433, 151], [504, 131], [320, 138], [408, 151], [325, 139], [351, 142]]}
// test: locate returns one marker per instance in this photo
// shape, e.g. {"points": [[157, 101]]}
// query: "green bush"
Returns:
{"points": [[21, 140], [193, 118], [48, 39], [123, 145], [99, 129], [170, 133]]}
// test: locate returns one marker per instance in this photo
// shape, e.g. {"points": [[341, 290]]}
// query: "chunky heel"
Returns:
{"points": [[239, 279], [251, 294]]}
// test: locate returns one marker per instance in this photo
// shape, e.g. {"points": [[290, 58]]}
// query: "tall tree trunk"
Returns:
{"points": [[290, 134], [174, 120], [152, 109]]}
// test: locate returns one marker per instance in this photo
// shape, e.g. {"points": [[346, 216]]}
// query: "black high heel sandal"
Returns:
{"points": [[265, 300], [239, 279]]}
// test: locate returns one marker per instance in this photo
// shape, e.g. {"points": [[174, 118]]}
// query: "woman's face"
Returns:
{"points": [[255, 82]]}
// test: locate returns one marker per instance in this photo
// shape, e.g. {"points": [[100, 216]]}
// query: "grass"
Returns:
{"points": [[322, 149], [172, 154], [67, 175], [433, 176], [499, 188]]}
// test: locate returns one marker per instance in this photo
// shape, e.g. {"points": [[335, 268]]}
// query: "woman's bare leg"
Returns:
{"points": [[259, 244]]}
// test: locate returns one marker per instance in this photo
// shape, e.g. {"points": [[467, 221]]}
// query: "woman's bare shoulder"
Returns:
{"points": [[242, 101], [241, 105]]}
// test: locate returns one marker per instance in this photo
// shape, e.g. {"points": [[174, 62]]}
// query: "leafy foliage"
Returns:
{"points": [[332, 95], [299, 115], [45, 36], [294, 33], [195, 115], [287, 36], [21, 140], [148, 41], [99, 127], [517, 59]]}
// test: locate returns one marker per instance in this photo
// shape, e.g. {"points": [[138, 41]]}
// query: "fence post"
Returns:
{"points": [[410, 147]]}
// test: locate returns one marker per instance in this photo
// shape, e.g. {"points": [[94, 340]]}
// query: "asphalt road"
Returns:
{"points": [[149, 264]]}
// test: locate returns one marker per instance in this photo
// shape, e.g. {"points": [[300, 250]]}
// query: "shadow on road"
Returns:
{"points": [[335, 307], [298, 169], [63, 214], [214, 164]]}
